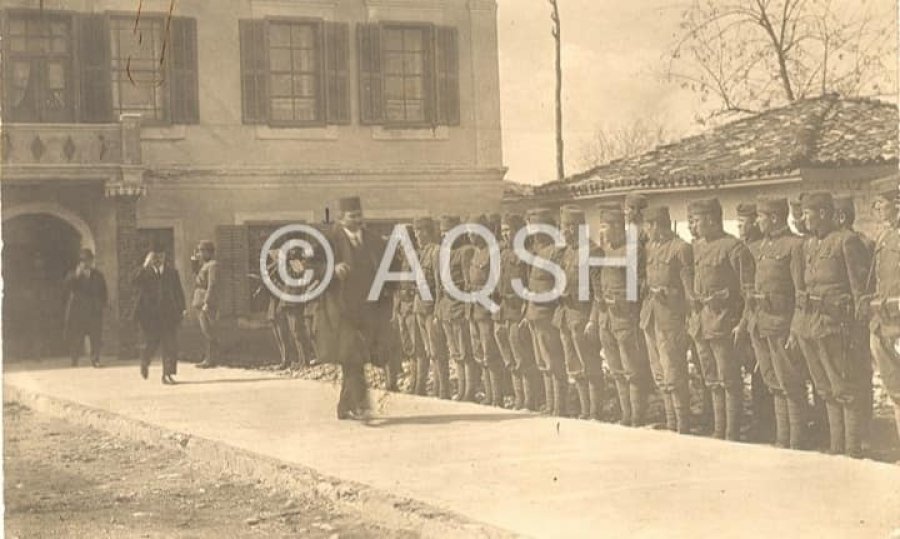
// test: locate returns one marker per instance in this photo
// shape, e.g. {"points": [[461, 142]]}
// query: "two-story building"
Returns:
{"points": [[223, 120]]}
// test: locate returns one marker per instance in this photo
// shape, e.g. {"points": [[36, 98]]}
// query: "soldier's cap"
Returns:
{"points": [[611, 215], [844, 203], [206, 245], [423, 223], [772, 205], [817, 200], [449, 221], [571, 215], [352, 203], [540, 216], [704, 206], [657, 213], [887, 188], [746, 209], [477, 219], [636, 201], [86, 255], [513, 221]]}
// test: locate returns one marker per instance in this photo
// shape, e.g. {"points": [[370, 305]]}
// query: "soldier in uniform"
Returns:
{"points": [[481, 323], [206, 291], [723, 273], [762, 403], [513, 339], [403, 318], [618, 323], [779, 275], [670, 280], [429, 328], [539, 317], [583, 362], [835, 270], [451, 313], [884, 307], [634, 206], [693, 321]]}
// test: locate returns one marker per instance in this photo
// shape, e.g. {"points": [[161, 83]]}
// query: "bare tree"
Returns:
{"points": [[747, 55], [557, 37], [613, 142]]}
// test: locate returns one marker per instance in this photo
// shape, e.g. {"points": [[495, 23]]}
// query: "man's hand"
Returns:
{"points": [[342, 270]]}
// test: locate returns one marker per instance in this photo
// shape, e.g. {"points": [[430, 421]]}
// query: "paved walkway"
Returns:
{"points": [[529, 474]]}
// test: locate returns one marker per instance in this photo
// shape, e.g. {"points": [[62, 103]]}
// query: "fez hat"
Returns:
{"points": [[513, 221], [611, 215], [206, 245], [704, 206], [746, 209], [637, 201], [887, 188], [571, 215], [423, 223], [845, 204], [817, 200], [540, 216], [449, 221], [772, 205], [657, 213], [349, 204]]}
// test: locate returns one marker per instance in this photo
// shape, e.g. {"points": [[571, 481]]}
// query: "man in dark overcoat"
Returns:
{"points": [[86, 297]]}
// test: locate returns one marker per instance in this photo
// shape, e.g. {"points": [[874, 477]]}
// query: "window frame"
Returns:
{"points": [[321, 75], [428, 77], [112, 15], [73, 91]]}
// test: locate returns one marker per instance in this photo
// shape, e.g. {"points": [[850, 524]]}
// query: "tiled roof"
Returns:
{"points": [[827, 130], [512, 190]]}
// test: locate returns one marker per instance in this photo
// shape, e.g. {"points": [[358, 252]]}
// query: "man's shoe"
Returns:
{"points": [[343, 414], [170, 379], [145, 370], [165, 380], [95, 362]]}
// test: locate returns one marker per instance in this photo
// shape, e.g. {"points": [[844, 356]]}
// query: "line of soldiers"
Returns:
{"points": [[789, 309]]}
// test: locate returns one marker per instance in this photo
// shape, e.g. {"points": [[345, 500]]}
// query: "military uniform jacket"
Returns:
{"points": [[723, 273], [834, 276], [542, 281], [405, 297], [573, 311], [206, 286], [886, 272], [779, 274], [448, 308], [511, 268], [611, 307], [428, 258], [670, 278], [477, 273]]}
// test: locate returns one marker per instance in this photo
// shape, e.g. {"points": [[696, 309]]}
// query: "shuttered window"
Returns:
{"points": [[408, 75], [294, 72], [233, 269]]}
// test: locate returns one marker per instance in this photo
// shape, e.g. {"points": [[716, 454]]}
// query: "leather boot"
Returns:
{"points": [[584, 399], [595, 388], [671, 416], [496, 386], [734, 410], [530, 390], [423, 365], [718, 409], [488, 399], [624, 402], [854, 420], [473, 377], [548, 395], [797, 419], [682, 404], [460, 382], [442, 380], [782, 423], [835, 427], [638, 405], [560, 396], [518, 391]]}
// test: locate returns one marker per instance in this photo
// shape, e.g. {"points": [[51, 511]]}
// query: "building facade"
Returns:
{"points": [[226, 119]]}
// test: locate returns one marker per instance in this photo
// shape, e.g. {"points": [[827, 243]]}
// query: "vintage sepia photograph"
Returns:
{"points": [[450, 268]]}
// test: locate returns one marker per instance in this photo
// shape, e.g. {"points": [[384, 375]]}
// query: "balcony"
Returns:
{"points": [[74, 152]]}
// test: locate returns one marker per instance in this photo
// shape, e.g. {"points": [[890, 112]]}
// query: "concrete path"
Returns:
{"points": [[532, 475]]}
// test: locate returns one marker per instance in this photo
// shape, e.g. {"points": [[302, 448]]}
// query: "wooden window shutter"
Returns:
{"points": [[446, 76], [95, 76], [233, 269], [254, 72], [371, 91], [337, 73], [185, 103]]}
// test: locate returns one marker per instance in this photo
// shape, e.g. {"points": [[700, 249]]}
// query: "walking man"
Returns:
{"points": [[86, 299]]}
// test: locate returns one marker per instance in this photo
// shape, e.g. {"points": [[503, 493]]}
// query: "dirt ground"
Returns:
{"points": [[64, 480]]}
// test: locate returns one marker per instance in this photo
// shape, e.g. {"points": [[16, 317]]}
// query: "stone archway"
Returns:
{"points": [[58, 211]]}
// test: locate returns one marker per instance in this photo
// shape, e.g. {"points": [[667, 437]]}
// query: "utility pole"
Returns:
{"points": [[560, 152]]}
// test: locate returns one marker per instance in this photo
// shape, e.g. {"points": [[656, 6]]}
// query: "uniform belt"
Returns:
{"points": [[715, 296]]}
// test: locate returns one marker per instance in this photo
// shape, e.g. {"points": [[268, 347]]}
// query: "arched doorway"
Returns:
{"points": [[38, 250]]}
